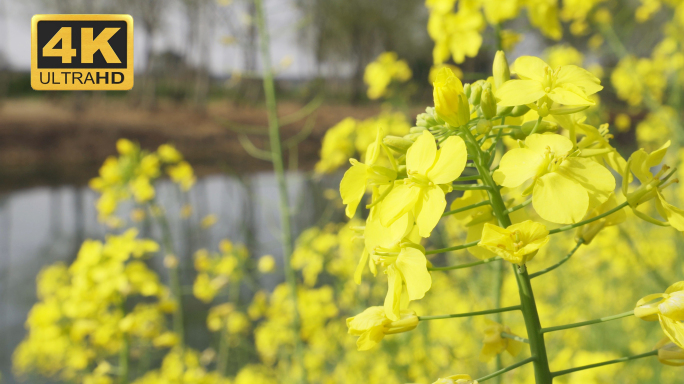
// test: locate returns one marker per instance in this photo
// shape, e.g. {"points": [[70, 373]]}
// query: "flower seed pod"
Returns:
{"points": [[488, 104], [398, 144], [500, 70]]}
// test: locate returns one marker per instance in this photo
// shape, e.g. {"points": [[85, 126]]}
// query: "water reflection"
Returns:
{"points": [[45, 225]]}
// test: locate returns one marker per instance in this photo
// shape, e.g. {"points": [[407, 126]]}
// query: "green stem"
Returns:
{"points": [[514, 337], [590, 366], [518, 207], [581, 223], [542, 372], [466, 265], [174, 273], [469, 314], [454, 248], [468, 178], [566, 258], [536, 126], [469, 187], [504, 370], [222, 358], [278, 168], [466, 208], [589, 322]]}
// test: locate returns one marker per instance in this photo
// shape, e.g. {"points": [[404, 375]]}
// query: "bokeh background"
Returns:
{"points": [[198, 86]]}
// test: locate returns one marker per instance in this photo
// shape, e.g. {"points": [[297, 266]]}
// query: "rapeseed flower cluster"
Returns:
{"points": [[131, 176]]}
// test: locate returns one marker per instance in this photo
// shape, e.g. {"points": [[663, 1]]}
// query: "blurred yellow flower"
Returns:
{"points": [[380, 73], [495, 344]]}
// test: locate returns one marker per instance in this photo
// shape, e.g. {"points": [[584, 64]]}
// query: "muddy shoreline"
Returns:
{"points": [[52, 142]]}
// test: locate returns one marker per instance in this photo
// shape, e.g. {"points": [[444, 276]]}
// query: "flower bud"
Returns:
{"points": [[500, 70], [398, 144], [417, 129], [527, 127], [412, 137], [484, 126], [544, 126], [451, 104], [475, 93], [519, 110], [503, 111], [467, 90], [488, 104]]}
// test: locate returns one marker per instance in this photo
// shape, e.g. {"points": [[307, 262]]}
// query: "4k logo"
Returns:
{"points": [[82, 52]]}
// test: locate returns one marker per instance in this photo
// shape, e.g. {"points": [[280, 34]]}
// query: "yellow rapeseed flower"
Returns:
{"points": [[518, 243], [564, 187], [567, 85], [372, 325], [668, 308], [430, 173]]}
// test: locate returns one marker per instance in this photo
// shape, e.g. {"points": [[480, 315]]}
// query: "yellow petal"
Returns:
{"points": [[401, 200], [369, 339], [393, 298], [377, 235], [519, 92], [580, 77], [678, 286], [569, 94], [517, 166], [559, 200], [451, 160], [431, 210], [413, 266], [674, 215], [558, 144], [673, 329], [353, 186], [530, 67], [421, 155], [359, 267]]}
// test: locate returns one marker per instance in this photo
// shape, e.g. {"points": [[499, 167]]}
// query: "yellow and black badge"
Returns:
{"points": [[82, 52]]}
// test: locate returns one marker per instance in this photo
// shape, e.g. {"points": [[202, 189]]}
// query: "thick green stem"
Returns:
{"points": [[590, 366], [589, 322], [504, 370], [542, 371], [469, 314], [558, 264], [278, 168]]}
